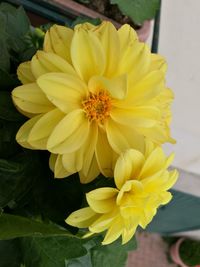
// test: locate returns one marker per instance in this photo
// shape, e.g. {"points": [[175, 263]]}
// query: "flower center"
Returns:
{"points": [[97, 106]]}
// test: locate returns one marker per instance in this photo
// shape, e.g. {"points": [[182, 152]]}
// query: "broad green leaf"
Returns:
{"points": [[7, 80], [7, 8], [114, 254], [18, 175], [10, 253], [12, 226], [7, 110], [181, 214], [138, 10], [4, 53], [8, 144], [51, 251]]}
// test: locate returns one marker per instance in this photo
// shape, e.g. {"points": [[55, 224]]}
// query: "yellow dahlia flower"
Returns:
{"points": [[142, 182], [92, 93]]}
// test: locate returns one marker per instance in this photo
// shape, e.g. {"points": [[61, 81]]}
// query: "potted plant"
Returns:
{"points": [[186, 252]]}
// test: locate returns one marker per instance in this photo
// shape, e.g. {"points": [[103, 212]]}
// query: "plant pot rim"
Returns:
{"points": [[175, 253], [78, 9]]}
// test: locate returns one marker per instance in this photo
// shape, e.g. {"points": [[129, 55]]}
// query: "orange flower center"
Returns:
{"points": [[97, 106]]}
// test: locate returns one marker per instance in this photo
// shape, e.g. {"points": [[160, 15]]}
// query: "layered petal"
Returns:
{"points": [[117, 87], [24, 131], [58, 40], [128, 166], [43, 128], [69, 134], [64, 90], [87, 54], [82, 218], [109, 39], [135, 60], [31, 99], [44, 62], [104, 154], [138, 117], [102, 200], [24, 73]]}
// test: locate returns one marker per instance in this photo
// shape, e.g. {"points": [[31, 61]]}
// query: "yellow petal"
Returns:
{"points": [[122, 137], [135, 60], [58, 40], [110, 41], [117, 137], [158, 134], [154, 163], [89, 148], [73, 162], [69, 93], [158, 62], [44, 62], [144, 116], [82, 218], [41, 131], [102, 200], [128, 166], [117, 87], [70, 133], [105, 155], [24, 131], [127, 36], [86, 26], [169, 160], [24, 73], [92, 173], [52, 161], [114, 231], [31, 99], [173, 176], [90, 169], [128, 234], [59, 170], [103, 222], [87, 54], [166, 198]]}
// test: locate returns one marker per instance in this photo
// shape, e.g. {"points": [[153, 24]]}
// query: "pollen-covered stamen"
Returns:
{"points": [[97, 106]]}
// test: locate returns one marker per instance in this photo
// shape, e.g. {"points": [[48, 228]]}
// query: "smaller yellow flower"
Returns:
{"points": [[142, 182]]}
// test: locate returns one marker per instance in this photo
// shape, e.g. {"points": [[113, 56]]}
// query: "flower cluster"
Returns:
{"points": [[141, 182], [95, 97]]}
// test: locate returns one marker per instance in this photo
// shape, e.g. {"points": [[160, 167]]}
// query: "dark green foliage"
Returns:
{"points": [[10, 253], [190, 252]]}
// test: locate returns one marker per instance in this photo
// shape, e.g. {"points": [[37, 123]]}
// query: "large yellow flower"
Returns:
{"points": [[92, 93], [142, 182]]}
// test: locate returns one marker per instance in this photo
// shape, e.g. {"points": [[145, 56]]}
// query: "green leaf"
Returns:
{"points": [[98, 255], [178, 216], [7, 81], [51, 251], [114, 254], [18, 175], [138, 10], [8, 144], [10, 253], [7, 110], [4, 53], [12, 226]]}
